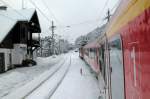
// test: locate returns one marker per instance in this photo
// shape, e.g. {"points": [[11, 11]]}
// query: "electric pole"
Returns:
{"points": [[108, 16], [52, 28]]}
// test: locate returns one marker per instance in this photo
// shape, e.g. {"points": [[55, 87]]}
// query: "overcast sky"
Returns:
{"points": [[81, 15]]}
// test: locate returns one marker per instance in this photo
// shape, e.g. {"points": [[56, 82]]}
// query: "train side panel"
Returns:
{"points": [[136, 44], [91, 57], [81, 53]]}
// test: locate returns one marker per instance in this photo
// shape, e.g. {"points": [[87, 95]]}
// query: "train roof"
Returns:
{"points": [[125, 13]]}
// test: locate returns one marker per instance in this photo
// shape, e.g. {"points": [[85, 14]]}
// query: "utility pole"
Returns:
{"points": [[108, 16], [52, 28]]}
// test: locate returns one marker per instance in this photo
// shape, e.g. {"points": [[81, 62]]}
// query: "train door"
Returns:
{"points": [[135, 70], [2, 63], [117, 69]]}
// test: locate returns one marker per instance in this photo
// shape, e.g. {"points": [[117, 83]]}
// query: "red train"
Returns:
{"points": [[122, 54]]}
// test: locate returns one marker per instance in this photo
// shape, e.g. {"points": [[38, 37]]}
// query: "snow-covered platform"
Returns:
{"points": [[77, 86]]}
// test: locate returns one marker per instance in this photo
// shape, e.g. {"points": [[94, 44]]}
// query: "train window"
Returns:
{"points": [[92, 53], [115, 44], [116, 64]]}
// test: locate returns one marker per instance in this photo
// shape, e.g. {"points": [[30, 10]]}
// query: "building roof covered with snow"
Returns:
{"points": [[9, 18]]}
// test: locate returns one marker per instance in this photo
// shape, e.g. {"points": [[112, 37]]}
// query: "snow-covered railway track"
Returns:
{"points": [[58, 84], [45, 85]]}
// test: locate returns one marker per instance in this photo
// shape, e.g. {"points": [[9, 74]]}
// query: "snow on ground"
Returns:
{"points": [[77, 86], [73, 86], [48, 88], [13, 79]]}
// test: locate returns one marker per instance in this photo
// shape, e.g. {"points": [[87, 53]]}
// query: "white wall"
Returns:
{"points": [[35, 55], [19, 53]]}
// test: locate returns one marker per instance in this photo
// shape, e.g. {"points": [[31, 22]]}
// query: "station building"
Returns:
{"points": [[16, 36]]}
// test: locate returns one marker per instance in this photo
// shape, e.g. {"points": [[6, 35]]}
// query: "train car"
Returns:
{"points": [[129, 54], [91, 53], [127, 51]]}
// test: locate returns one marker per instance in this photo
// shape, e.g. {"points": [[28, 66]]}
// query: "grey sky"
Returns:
{"points": [[82, 15]]}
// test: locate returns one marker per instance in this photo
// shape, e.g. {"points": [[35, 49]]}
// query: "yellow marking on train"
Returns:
{"points": [[134, 8]]}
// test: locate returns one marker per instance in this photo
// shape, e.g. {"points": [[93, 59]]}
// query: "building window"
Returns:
{"points": [[92, 53]]}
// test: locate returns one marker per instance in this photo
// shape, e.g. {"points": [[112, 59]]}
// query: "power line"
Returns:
{"points": [[115, 6], [109, 10], [84, 22], [91, 21], [19, 13], [50, 11], [103, 9], [8, 17], [40, 10], [13, 9]]}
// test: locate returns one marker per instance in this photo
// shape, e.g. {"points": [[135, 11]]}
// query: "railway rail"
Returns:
{"points": [[49, 81]]}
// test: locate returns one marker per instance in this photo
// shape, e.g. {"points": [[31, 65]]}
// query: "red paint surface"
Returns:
{"points": [[93, 62], [137, 34]]}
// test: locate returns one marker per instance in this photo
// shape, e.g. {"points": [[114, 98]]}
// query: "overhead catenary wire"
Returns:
{"points": [[50, 11], [13, 9], [71, 25], [76, 24], [111, 9], [40, 10], [55, 17], [115, 6], [102, 10], [43, 13], [19, 13], [91, 21], [99, 18], [7, 17]]}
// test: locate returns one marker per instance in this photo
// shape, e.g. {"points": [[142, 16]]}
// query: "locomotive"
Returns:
{"points": [[122, 54]]}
